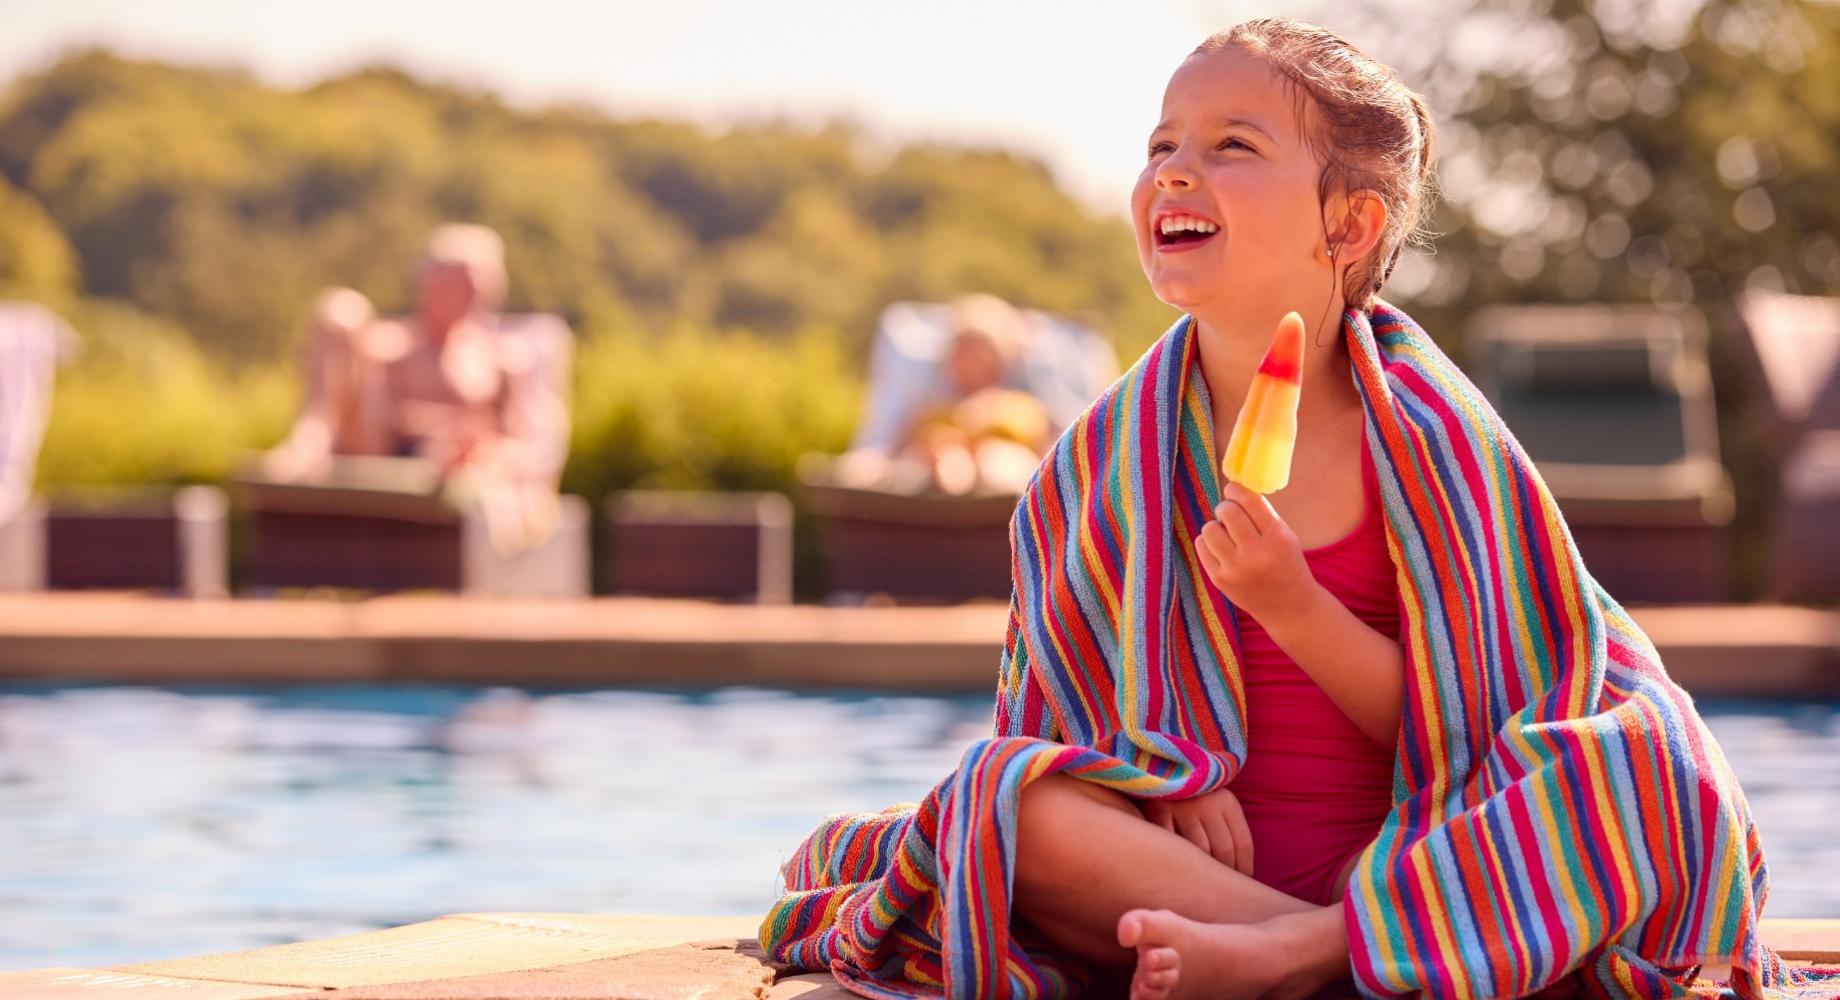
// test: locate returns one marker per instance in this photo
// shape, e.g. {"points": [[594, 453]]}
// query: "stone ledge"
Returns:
{"points": [[1711, 650]]}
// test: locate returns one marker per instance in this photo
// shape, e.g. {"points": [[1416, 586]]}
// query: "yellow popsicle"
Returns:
{"points": [[1265, 432]]}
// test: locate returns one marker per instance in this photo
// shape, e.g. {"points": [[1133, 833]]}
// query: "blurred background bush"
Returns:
{"points": [[724, 283]]}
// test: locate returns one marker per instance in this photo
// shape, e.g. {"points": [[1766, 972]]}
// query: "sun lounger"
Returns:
{"points": [[920, 547], [22, 547], [1794, 341], [665, 543], [1614, 405], [140, 539], [33, 340], [382, 524]]}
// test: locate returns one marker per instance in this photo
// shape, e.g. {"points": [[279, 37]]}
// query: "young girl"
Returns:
{"points": [[1231, 228], [1381, 723]]}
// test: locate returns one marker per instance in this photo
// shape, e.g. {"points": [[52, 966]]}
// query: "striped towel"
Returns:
{"points": [[1560, 810]]}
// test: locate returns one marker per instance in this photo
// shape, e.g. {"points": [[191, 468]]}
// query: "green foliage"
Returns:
{"points": [[141, 404], [222, 205], [702, 409], [1632, 151], [36, 262]]}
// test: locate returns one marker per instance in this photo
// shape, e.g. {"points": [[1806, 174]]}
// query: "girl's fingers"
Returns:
{"points": [[1220, 839], [1214, 536], [1191, 830], [1215, 550], [1242, 834], [1231, 516], [1257, 507]]}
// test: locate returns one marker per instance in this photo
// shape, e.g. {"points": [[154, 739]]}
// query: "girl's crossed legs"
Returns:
{"points": [[1086, 857]]}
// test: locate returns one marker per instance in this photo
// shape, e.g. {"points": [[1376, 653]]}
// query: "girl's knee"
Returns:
{"points": [[1054, 827], [1058, 794]]}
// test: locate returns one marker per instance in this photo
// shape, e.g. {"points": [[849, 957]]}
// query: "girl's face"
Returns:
{"points": [[1226, 208]]}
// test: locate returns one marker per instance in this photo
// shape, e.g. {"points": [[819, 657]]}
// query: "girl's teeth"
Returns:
{"points": [[1185, 223]]}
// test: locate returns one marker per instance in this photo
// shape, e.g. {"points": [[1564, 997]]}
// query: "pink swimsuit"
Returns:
{"points": [[1315, 788]]}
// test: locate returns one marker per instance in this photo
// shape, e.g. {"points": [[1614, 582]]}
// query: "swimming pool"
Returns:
{"points": [[142, 823]]}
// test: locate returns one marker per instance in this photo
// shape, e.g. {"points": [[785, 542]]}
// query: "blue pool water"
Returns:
{"points": [[143, 823]]}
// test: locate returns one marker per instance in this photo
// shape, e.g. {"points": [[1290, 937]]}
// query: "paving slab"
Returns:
{"points": [[97, 984], [823, 986], [449, 947], [810, 986], [684, 972]]}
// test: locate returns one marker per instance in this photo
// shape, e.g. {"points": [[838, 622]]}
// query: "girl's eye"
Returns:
{"points": [[1164, 147]]}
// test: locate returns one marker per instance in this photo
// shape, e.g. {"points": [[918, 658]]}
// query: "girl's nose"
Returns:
{"points": [[1174, 173]]}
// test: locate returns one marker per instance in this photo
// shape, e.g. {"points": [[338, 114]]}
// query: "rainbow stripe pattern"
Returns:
{"points": [[1561, 813]]}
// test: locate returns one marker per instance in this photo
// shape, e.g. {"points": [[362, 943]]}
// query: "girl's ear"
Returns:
{"points": [[1363, 216]]}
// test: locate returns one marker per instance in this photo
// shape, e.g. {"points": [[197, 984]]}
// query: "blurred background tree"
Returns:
{"points": [[1635, 151], [214, 202], [1609, 151], [1631, 151]]}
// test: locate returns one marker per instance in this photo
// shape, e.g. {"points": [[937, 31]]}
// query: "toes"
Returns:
{"points": [[1159, 961], [1158, 966], [1157, 975], [1139, 926], [1131, 928]]}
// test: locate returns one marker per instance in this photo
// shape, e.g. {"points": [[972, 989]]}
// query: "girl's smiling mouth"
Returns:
{"points": [[1176, 231]]}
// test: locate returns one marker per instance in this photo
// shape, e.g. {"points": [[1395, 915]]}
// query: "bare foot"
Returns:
{"points": [[1181, 959]]}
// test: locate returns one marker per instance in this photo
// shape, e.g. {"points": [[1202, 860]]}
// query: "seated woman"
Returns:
{"points": [[454, 384], [980, 433]]}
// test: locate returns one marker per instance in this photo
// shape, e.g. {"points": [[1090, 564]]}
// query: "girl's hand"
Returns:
{"points": [[1213, 822], [1253, 558]]}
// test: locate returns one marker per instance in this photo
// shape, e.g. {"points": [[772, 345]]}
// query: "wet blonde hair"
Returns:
{"points": [[1370, 131]]}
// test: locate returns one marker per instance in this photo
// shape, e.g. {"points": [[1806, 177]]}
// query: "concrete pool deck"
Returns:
{"points": [[552, 956], [1744, 650]]}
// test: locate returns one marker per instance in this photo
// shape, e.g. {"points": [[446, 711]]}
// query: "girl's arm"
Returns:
{"points": [[1360, 669], [1252, 556]]}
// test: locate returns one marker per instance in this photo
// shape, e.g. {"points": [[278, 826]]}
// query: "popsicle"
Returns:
{"points": [[1265, 432]]}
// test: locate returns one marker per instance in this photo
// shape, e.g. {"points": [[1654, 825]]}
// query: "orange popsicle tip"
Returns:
{"points": [[1284, 358], [1259, 452]]}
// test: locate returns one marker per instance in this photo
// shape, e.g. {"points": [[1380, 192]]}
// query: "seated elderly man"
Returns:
{"points": [[455, 383]]}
